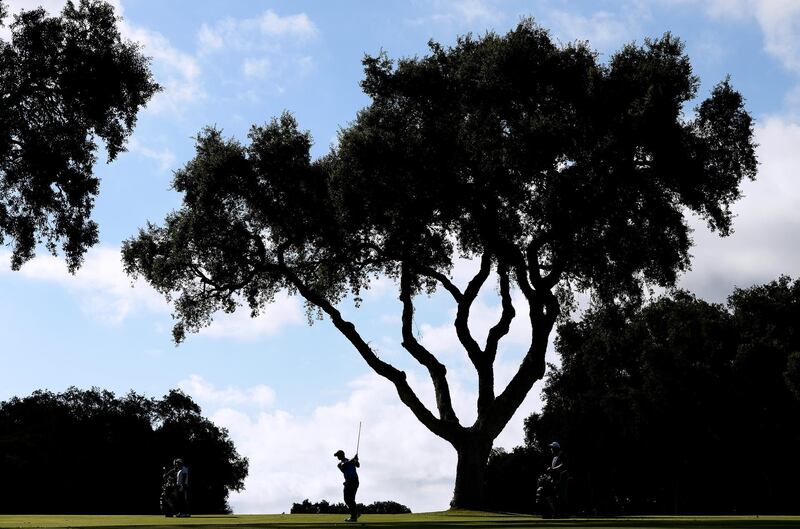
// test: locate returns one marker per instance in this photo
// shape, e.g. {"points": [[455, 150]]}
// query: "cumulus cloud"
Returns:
{"points": [[108, 295], [164, 156], [779, 21], [291, 456], [258, 68], [101, 287], [460, 13], [265, 32], [602, 29], [765, 241], [273, 45], [177, 71], [284, 311], [260, 395]]}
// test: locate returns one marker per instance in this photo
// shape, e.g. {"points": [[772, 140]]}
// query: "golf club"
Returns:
{"points": [[358, 443]]}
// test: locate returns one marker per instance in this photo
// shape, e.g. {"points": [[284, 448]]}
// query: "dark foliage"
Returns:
{"points": [[554, 171], [681, 406], [91, 452], [66, 82], [323, 507]]}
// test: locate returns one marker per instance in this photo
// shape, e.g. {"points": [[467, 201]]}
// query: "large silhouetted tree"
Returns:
{"points": [[65, 82], [550, 169]]}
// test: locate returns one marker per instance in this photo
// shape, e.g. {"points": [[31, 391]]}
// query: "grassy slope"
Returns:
{"points": [[442, 520]]}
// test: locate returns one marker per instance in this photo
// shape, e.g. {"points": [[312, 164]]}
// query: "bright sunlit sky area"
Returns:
{"points": [[291, 394]]}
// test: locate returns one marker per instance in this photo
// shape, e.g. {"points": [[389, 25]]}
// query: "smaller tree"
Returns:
{"points": [[102, 454], [671, 407], [66, 82], [215, 467]]}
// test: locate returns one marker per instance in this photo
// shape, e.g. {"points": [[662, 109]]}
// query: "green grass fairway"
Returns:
{"points": [[436, 520]]}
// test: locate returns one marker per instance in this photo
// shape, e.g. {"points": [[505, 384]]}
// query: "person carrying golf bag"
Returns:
{"points": [[558, 472], [348, 468]]}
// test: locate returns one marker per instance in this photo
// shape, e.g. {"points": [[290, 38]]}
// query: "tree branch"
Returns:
{"points": [[543, 310], [445, 430], [482, 363], [443, 279], [503, 326], [554, 275], [464, 306], [436, 369]]}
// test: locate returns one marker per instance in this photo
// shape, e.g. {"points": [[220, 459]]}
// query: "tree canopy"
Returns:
{"points": [[556, 172], [92, 452], [66, 82], [680, 406]]}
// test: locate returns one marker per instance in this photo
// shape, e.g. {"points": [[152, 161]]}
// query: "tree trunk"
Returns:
{"points": [[471, 473]]}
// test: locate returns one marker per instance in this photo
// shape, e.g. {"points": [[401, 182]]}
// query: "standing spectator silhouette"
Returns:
{"points": [[348, 468], [182, 483], [558, 471]]}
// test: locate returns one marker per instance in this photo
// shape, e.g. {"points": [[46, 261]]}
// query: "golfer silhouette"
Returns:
{"points": [[348, 468]]}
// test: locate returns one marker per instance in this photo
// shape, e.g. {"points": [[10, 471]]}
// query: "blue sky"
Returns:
{"points": [[291, 394]]}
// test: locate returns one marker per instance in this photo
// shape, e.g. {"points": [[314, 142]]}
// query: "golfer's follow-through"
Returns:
{"points": [[348, 468]]}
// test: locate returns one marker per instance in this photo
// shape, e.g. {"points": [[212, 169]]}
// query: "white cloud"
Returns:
{"points": [[460, 13], [779, 21], [163, 156], [208, 39], [602, 29], [737, 9], [108, 295], [284, 311], [178, 72], [266, 31], [261, 396], [296, 26], [273, 45], [258, 68], [765, 242], [291, 456], [101, 287]]}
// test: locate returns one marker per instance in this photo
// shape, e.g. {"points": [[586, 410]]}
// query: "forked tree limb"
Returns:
{"points": [[437, 370], [447, 430]]}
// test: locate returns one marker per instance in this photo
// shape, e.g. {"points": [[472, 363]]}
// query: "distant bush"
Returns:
{"points": [[324, 507]]}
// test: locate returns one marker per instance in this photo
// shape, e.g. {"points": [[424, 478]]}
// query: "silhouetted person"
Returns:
{"points": [[558, 471], [348, 468], [182, 486]]}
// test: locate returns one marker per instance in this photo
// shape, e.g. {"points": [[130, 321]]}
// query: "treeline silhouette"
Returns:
{"points": [[88, 451], [323, 507], [676, 406]]}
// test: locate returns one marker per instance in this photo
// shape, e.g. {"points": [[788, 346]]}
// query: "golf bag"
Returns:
{"points": [[546, 495], [169, 493]]}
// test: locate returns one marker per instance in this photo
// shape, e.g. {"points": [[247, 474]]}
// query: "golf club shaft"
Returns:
{"points": [[358, 443]]}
